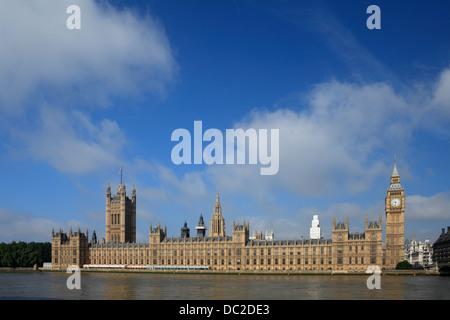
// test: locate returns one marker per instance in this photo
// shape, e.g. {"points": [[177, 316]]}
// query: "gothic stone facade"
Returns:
{"points": [[345, 251]]}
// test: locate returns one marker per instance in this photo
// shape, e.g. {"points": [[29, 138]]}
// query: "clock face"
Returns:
{"points": [[395, 202]]}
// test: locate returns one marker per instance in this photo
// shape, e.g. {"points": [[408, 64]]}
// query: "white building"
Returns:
{"points": [[419, 253], [314, 231], [258, 235], [269, 235]]}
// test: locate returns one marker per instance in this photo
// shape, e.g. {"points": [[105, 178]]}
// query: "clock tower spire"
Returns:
{"points": [[395, 220]]}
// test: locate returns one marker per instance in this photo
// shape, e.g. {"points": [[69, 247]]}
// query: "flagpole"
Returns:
{"points": [[120, 175]]}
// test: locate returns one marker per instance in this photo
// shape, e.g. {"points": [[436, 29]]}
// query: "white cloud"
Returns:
{"points": [[16, 226], [71, 142], [340, 136], [330, 145], [436, 111], [60, 75], [427, 209], [116, 53]]}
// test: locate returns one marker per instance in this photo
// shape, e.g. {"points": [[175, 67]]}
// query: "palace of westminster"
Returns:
{"points": [[218, 251]]}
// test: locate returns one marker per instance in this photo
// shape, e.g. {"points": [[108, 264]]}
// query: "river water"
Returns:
{"points": [[146, 286]]}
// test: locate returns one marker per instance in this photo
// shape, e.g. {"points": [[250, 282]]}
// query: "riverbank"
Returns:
{"points": [[18, 269], [257, 272]]}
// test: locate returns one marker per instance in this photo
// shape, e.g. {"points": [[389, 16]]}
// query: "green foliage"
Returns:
{"points": [[403, 265], [22, 254]]}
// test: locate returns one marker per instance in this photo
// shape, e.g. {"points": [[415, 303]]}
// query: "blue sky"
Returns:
{"points": [[75, 105]]}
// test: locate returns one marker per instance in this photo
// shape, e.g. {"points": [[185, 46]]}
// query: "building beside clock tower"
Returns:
{"points": [[217, 225], [344, 252], [395, 221]]}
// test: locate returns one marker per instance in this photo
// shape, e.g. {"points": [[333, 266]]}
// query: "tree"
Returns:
{"points": [[22, 254], [403, 265]]}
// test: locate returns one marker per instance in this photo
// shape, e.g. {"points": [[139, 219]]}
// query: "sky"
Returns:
{"points": [[77, 104]]}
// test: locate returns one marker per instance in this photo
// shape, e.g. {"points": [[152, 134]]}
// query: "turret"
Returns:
{"points": [[241, 231], [185, 232], [201, 228]]}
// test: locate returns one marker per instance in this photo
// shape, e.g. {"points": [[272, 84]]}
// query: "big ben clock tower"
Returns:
{"points": [[395, 221]]}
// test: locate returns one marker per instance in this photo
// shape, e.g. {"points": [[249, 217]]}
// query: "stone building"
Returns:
{"points": [[120, 215], [345, 251], [418, 253], [441, 251], [71, 248], [395, 221]]}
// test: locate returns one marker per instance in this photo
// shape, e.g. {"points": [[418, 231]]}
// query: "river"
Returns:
{"points": [[146, 286]]}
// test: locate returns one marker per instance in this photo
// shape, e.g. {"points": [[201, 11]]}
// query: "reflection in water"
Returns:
{"points": [[131, 286]]}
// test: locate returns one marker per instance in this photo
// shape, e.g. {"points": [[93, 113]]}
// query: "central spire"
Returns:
{"points": [[217, 225]]}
